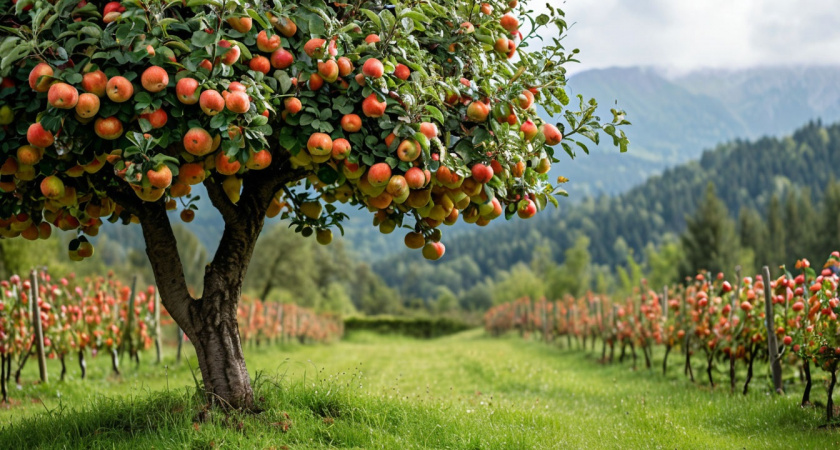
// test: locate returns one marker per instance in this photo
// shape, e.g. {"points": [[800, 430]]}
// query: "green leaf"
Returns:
{"points": [[202, 38], [327, 174], [435, 113], [373, 17]]}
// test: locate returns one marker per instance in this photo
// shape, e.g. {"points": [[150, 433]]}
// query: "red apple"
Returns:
{"points": [[63, 96], [109, 128], [187, 90], [119, 89], [154, 79], [211, 102]]}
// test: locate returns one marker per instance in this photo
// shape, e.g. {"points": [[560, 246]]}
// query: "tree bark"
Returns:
{"points": [[3, 390], [806, 396], [665, 360], [749, 368], [63, 368], [82, 363], [829, 405], [210, 322]]}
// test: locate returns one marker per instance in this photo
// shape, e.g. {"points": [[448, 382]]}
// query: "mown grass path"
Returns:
{"points": [[463, 391]]}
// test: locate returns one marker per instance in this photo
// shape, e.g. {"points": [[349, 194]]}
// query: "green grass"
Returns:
{"points": [[463, 391]]}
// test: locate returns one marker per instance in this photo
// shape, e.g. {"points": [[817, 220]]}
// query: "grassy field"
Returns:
{"points": [[463, 391]]}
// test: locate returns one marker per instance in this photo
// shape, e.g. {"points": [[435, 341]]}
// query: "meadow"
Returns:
{"points": [[370, 391]]}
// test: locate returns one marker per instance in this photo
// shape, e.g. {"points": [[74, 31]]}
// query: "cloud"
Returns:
{"points": [[683, 35]]}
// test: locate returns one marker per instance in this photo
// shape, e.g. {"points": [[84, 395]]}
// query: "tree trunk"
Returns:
{"points": [[219, 349], [82, 363], [210, 322], [3, 390], [829, 405], [665, 360], [806, 396], [732, 371], [63, 368], [115, 362], [749, 369], [709, 367]]}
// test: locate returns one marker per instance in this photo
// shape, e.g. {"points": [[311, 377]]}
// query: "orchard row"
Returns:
{"points": [[725, 322], [92, 316]]}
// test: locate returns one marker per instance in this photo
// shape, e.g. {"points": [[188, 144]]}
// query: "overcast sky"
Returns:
{"points": [[690, 34]]}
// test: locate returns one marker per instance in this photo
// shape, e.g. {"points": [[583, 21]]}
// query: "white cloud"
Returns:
{"points": [[689, 34]]}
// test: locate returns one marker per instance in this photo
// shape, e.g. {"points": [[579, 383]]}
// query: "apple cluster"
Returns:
{"points": [[421, 113]]}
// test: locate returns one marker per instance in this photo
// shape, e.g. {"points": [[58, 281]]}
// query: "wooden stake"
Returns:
{"points": [[772, 344], [39, 332], [157, 327]]}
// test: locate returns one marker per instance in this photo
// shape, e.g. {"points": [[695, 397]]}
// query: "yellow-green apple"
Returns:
{"points": [[414, 240], [52, 187], [433, 251], [408, 150]]}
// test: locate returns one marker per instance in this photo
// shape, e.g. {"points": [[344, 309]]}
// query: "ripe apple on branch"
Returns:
{"points": [[416, 112]]}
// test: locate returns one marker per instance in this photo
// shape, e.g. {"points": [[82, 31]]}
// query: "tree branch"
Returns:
{"points": [[162, 250], [119, 191], [220, 200]]}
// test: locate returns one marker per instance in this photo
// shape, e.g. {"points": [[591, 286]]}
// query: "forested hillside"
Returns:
{"points": [[741, 170]]}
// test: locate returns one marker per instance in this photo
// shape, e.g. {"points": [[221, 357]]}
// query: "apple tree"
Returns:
{"points": [[421, 111]]}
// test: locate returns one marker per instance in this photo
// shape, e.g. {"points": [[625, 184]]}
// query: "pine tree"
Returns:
{"points": [[710, 241]]}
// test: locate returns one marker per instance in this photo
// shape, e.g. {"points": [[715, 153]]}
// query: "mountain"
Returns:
{"points": [[746, 174], [675, 118]]}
